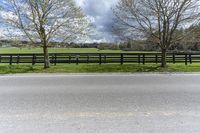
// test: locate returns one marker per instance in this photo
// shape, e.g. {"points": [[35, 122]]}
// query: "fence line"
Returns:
{"points": [[100, 58]]}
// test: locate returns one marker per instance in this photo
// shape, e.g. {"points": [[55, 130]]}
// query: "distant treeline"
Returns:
{"points": [[132, 45]]}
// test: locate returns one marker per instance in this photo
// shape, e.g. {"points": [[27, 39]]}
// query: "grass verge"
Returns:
{"points": [[95, 68]]}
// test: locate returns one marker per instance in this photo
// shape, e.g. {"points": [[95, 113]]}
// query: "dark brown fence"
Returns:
{"points": [[100, 58]]}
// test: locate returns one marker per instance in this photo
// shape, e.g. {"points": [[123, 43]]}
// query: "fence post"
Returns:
{"points": [[70, 59], [99, 59], [122, 59], [33, 59], [18, 59], [143, 59], [77, 59], [156, 59], [186, 58], [55, 59], [10, 59], [174, 58], [190, 57]]}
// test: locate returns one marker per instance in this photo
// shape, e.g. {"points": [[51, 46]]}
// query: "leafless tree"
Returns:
{"points": [[158, 19], [45, 21]]}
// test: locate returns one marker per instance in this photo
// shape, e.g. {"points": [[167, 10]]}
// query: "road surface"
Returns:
{"points": [[107, 103]]}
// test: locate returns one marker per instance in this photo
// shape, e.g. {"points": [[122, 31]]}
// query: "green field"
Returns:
{"points": [[95, 68], [58, 50]]}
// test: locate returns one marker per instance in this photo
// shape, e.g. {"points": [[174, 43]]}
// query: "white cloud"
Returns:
{"points": [[7, 15], [100, 13], [80, 2]]}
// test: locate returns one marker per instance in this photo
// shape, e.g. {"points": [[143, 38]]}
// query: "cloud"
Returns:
{"points": [[7, 15], [99, 11]]}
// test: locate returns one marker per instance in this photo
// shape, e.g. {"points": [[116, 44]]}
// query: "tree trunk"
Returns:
{"points": [[163, 61], [46, 57]]}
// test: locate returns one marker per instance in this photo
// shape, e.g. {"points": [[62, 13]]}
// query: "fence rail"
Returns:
{"points": [[100, 58]]}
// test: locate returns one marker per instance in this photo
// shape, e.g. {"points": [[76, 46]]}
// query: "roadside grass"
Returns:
{"points": [[96, 68], [12, 50]]}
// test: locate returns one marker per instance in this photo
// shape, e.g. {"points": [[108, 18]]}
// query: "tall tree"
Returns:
{"points": [[158, 19], [44, 21]]}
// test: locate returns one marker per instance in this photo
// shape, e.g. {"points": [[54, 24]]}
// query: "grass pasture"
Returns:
{"points": [[54, 50], [13, 50]]}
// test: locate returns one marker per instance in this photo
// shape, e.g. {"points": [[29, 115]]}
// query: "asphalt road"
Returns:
{"points": [[116, 103]]}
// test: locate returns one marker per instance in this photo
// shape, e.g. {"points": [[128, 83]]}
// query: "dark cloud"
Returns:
{"points": [[101, 15]]}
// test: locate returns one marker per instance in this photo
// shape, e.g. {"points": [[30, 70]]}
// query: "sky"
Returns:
{"points": [[100, 14]]}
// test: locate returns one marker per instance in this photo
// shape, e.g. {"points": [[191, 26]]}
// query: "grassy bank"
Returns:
{"points": [[95, 68]]}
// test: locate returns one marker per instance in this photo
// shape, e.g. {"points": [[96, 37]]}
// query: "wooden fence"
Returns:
{"points": [[100, 58]]}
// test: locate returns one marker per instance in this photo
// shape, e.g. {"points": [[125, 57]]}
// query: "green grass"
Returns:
{"points": [[95, 68], [12, 50]]}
